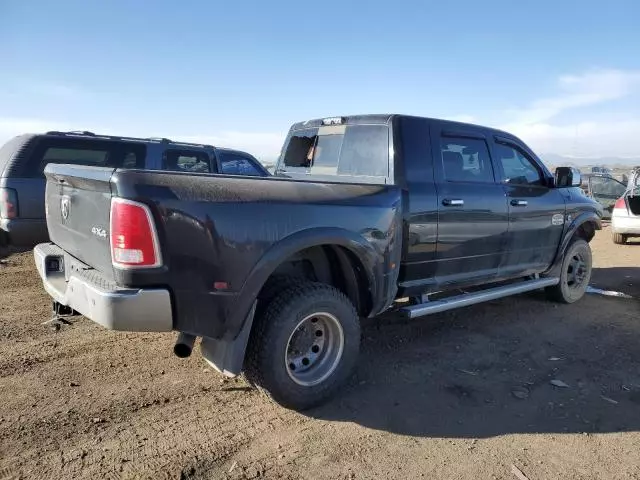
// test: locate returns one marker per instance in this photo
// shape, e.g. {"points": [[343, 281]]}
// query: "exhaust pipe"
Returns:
{"points": [[184, 345]]}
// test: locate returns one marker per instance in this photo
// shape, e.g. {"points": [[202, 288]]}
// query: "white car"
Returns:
{"points": [[625, 218]]}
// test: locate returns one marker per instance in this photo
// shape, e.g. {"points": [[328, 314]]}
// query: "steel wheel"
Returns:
{"points": [[576, 271], [314, 349]]}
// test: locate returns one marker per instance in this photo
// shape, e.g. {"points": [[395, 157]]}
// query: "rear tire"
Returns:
{"points": [[274, 286], [304, 346], [619, 239], [575, 273]]}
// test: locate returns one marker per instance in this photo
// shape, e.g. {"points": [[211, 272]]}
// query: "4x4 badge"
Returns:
{"points": [[65, 206]]}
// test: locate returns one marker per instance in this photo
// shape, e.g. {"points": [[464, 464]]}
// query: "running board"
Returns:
{"points": [[467, 299]]}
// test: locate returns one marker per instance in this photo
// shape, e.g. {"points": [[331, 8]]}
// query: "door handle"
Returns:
{"points": [[453, 202], [519, 203]]}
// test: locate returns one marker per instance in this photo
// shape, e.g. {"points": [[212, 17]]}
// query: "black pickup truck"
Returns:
{"points": [[364, 214]]}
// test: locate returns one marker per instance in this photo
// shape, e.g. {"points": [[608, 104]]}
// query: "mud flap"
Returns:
{"points": [[227, 356]]}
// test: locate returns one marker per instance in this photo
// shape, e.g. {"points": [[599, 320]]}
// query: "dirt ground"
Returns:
{"points": [[463, 394]]}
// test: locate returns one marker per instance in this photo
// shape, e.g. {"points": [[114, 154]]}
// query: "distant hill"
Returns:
{"points": [[611, 162]]}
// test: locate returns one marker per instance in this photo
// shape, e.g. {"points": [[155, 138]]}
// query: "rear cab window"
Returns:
{"points": [[351, 153]]}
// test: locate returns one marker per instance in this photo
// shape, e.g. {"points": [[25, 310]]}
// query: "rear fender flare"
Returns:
{"points": [[233, 347], [285, 248]]}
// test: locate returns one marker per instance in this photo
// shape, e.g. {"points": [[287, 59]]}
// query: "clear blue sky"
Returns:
{"points": [[555, 72]]}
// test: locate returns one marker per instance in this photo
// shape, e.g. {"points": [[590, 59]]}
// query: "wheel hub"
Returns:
{"points": [[576, 271], [314, 349]]}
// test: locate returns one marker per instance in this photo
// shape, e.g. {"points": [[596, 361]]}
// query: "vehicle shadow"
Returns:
{"points": [[490, 370], [7, 251], [619, 279]]}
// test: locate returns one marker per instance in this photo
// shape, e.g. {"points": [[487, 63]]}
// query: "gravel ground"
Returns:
{"points": [[463, 394]]}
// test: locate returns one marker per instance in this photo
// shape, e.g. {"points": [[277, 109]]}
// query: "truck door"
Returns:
{"points": [[536, 211], [472, 207], [418, 267]]}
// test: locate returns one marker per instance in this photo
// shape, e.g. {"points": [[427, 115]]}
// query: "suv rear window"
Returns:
{"points": [[338, 150], [77, 151], [76, 156]]}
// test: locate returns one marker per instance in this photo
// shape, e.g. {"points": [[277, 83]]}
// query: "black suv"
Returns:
{"points": [[23, 158]]}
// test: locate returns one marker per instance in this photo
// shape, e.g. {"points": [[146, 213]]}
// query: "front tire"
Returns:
{"points": [[575, 273], [304, 346]]}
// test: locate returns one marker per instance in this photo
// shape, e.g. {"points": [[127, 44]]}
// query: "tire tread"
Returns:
{"points": [[556, 293], [275, 316]]}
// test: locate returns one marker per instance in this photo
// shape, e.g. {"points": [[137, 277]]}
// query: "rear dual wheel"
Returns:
{"points": [[304, 345]]}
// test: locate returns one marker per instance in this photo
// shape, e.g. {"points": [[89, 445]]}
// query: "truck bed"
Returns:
{"points": [[214, 228]]}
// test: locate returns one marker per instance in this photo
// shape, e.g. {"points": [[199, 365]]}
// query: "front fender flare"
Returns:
{"points": [[570, 231]]}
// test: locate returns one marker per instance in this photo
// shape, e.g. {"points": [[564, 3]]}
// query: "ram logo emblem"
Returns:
{"points": [[65, 207]]}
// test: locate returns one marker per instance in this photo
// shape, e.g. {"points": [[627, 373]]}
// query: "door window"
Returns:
{"points": [[517, 168], [186, 161], [466, 160], [233, 164]]}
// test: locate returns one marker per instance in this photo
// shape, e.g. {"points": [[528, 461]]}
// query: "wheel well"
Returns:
{"points": [[586, 231], [333, 265]]}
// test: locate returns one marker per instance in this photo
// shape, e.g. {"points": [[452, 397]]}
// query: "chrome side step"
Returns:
{"points": [[467, 299]]}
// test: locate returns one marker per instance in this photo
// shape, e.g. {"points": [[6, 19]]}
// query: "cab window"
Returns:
{"points": [[466, 160], [517, 168]]}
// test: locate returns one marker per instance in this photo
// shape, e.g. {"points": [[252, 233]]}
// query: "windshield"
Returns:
{"points": [[338, 150]]}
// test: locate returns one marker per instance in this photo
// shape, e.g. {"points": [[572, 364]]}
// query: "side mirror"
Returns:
{"points": [[567, 177]]}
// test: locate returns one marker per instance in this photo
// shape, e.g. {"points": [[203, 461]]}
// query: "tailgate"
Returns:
{"points": [[78, 202]]}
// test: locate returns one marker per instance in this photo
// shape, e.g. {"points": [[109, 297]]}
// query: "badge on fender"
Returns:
{"points": [[557, 219]]}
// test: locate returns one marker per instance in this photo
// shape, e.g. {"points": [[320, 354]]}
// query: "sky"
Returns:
{"points": [[562, 75]]}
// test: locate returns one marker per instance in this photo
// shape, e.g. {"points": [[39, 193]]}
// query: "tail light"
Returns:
{"points": [[620, 203], [8, 203], [134, 240]]}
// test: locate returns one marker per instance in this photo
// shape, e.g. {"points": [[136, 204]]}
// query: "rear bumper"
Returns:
{"points": [[115, 308], [625, 225], [23, 232]]}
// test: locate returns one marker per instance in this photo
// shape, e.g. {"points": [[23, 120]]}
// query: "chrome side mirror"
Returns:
{"points": [[567, 177]]}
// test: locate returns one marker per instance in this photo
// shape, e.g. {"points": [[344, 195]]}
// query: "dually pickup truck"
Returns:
{"points": [[364, 214]]}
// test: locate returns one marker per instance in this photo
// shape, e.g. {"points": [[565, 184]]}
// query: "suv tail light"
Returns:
{"points": [[620, 203], [8, 203], [134, 240]]}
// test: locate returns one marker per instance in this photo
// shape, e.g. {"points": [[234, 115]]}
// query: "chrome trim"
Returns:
{"points": [[124, 309], [466, 299]]}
